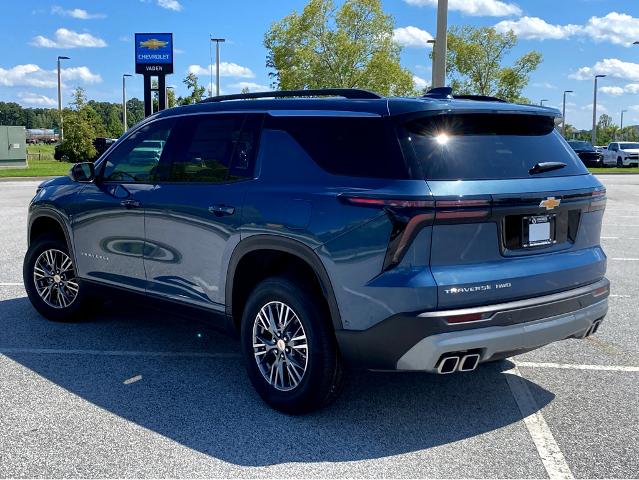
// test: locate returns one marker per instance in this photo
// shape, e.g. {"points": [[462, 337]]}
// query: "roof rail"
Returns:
{"points": [[479, 98], [350, 93]]}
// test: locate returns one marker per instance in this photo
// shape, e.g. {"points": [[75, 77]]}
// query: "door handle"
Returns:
{"points": [[130, 203], [220, 210]]}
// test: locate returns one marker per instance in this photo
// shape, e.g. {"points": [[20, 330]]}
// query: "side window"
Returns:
{"points": [[137, 159], [613, 147], [216, 148]]}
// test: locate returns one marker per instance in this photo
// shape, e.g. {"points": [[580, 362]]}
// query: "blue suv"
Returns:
{"points": [[336, 227]]}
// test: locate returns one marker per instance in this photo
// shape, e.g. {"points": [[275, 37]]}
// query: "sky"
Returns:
{"points": [[578, 39]]}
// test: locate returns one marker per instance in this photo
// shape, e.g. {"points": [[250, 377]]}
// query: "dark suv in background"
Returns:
{"points": [[427, 234], [587, 153]]}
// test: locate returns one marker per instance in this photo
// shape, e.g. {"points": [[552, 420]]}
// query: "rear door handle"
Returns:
{"points": [[130, 203], [220, 210]]}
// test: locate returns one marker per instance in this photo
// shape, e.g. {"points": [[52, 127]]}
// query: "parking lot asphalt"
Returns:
{"points": [[137, 392]]}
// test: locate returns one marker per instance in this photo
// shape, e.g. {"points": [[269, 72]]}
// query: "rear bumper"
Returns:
{"points": [[418, 341]]}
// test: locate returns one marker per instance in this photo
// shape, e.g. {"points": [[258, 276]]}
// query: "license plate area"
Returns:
{"points": [[538, 231]]}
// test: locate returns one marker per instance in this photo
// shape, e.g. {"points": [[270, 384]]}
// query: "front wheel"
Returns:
{"points": [[50, 280], [619, 163], [289, 347]]}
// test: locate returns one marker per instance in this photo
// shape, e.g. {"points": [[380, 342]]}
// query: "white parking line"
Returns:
{"points": [[10, 284], [547, 447], [116, 353], [625, 259], [572, 366]]}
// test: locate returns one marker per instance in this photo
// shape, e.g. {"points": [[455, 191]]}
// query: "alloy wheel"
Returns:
{"points": [[54, 278], [280, 346]]}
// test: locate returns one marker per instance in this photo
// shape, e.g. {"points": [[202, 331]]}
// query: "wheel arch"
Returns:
{"points": [[286, 246], [46, 220]]}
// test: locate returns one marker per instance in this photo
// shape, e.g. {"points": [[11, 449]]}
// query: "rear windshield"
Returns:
{"points": [[486, 146], [580, 145]]}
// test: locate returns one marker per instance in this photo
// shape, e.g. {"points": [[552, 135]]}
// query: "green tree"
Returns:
{"points": [[134, 111], [347, 47], [78, 138], [475, 63], [197, 91]]}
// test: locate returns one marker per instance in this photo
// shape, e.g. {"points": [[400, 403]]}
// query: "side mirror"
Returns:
{"points": [[82, 172]]}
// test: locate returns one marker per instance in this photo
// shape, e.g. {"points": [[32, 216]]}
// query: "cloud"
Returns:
{"points": [[68, 39], [227, 69], [632, 88], [36, 99], [612, 67], [534, 28], [614, 91], [75, 13], [544, 85], [170, 5], [32, 75], [252, 86], [601, 108], [412, 37], [420, 83], [617, 28], [485, 8]]}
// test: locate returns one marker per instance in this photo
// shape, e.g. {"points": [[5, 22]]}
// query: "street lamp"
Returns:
{"points": [[217, 63], [541, 102], [594, 112], [621, 126], [432, 41], [439, 50], [563, 114], [124, 124], [60, 96]]}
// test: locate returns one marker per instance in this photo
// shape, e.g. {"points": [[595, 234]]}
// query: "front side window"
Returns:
{"points": [[137, 159], [216, 148]]}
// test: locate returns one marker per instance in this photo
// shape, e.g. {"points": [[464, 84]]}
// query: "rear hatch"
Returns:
{"points": [[517, 215]]}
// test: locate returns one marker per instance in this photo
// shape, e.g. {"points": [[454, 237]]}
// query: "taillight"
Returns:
{"points": [[468, 317], [462, 209], [598, 201], [387, 202]]}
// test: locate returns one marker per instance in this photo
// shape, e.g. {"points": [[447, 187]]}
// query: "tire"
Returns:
{"points": [[619, 163], [321, 376], [58, 297]]}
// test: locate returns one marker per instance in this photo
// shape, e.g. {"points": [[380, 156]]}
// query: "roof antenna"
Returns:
{"points": [[440, 92]]}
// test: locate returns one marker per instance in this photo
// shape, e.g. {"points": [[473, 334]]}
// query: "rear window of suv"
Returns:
{"points": [[486, 146]]}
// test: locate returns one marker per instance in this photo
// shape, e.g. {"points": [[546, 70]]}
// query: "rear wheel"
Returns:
{"points": [[289, 348], [50, 280], [619, 163]]}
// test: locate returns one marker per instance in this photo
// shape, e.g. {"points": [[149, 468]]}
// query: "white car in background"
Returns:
{"points": [[622, 154]]}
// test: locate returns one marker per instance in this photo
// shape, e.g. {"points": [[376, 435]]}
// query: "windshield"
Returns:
{"points": [[580, 145], [626, 146], [486, 146]]}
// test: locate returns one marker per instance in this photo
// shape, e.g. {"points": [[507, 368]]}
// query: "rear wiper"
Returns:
{"points": [[546, 167]]}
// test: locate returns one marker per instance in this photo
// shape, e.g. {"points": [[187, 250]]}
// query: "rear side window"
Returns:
{"points": [[486, 146], [351, 146], [216, 148]]}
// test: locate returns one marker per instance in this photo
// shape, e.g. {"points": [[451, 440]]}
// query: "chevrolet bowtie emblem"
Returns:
{"points": [[550, 203], [153, 44]]}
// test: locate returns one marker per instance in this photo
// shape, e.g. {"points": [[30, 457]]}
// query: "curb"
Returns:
{"points": [[27, 179]]}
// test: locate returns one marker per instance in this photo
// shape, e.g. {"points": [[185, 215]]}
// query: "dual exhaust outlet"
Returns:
{"points": [[458, 362], [593, 328]]}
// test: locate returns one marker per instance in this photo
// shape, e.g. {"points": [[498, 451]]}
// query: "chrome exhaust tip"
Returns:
{"points": [[448, 365], [469, 362], [595, 327]]}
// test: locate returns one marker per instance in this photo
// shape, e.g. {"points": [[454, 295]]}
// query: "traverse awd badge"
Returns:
{"points": [[550, 203]]}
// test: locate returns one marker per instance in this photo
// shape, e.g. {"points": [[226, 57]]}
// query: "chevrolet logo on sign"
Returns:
{"points": [[550, 203], [153, 44]]}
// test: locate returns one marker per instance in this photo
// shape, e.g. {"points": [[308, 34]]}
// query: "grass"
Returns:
{"points": [[42, 166], [614, 170]]}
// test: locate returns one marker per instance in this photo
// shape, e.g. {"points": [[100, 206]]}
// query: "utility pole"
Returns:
{"points": [[563, 114], [594, 112], [60, 97], [439, 49], [217, 64], [166, 93], [124, 124], [621, 126]]}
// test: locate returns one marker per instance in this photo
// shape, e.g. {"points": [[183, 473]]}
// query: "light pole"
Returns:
{"points": [[439, 49], [60, 96], [217, 64], [432, 41], [594, 112], [166, 92], [621, 126], [563, 114], [124, 124], [541, 102]]}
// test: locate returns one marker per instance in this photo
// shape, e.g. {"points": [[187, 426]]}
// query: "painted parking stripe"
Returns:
{"points": [[621, 259], [551, 456], [572, 366], [115, 353], [10, 284]]}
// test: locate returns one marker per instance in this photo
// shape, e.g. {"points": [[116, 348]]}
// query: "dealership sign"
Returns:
{"points": [[154, 53]]}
